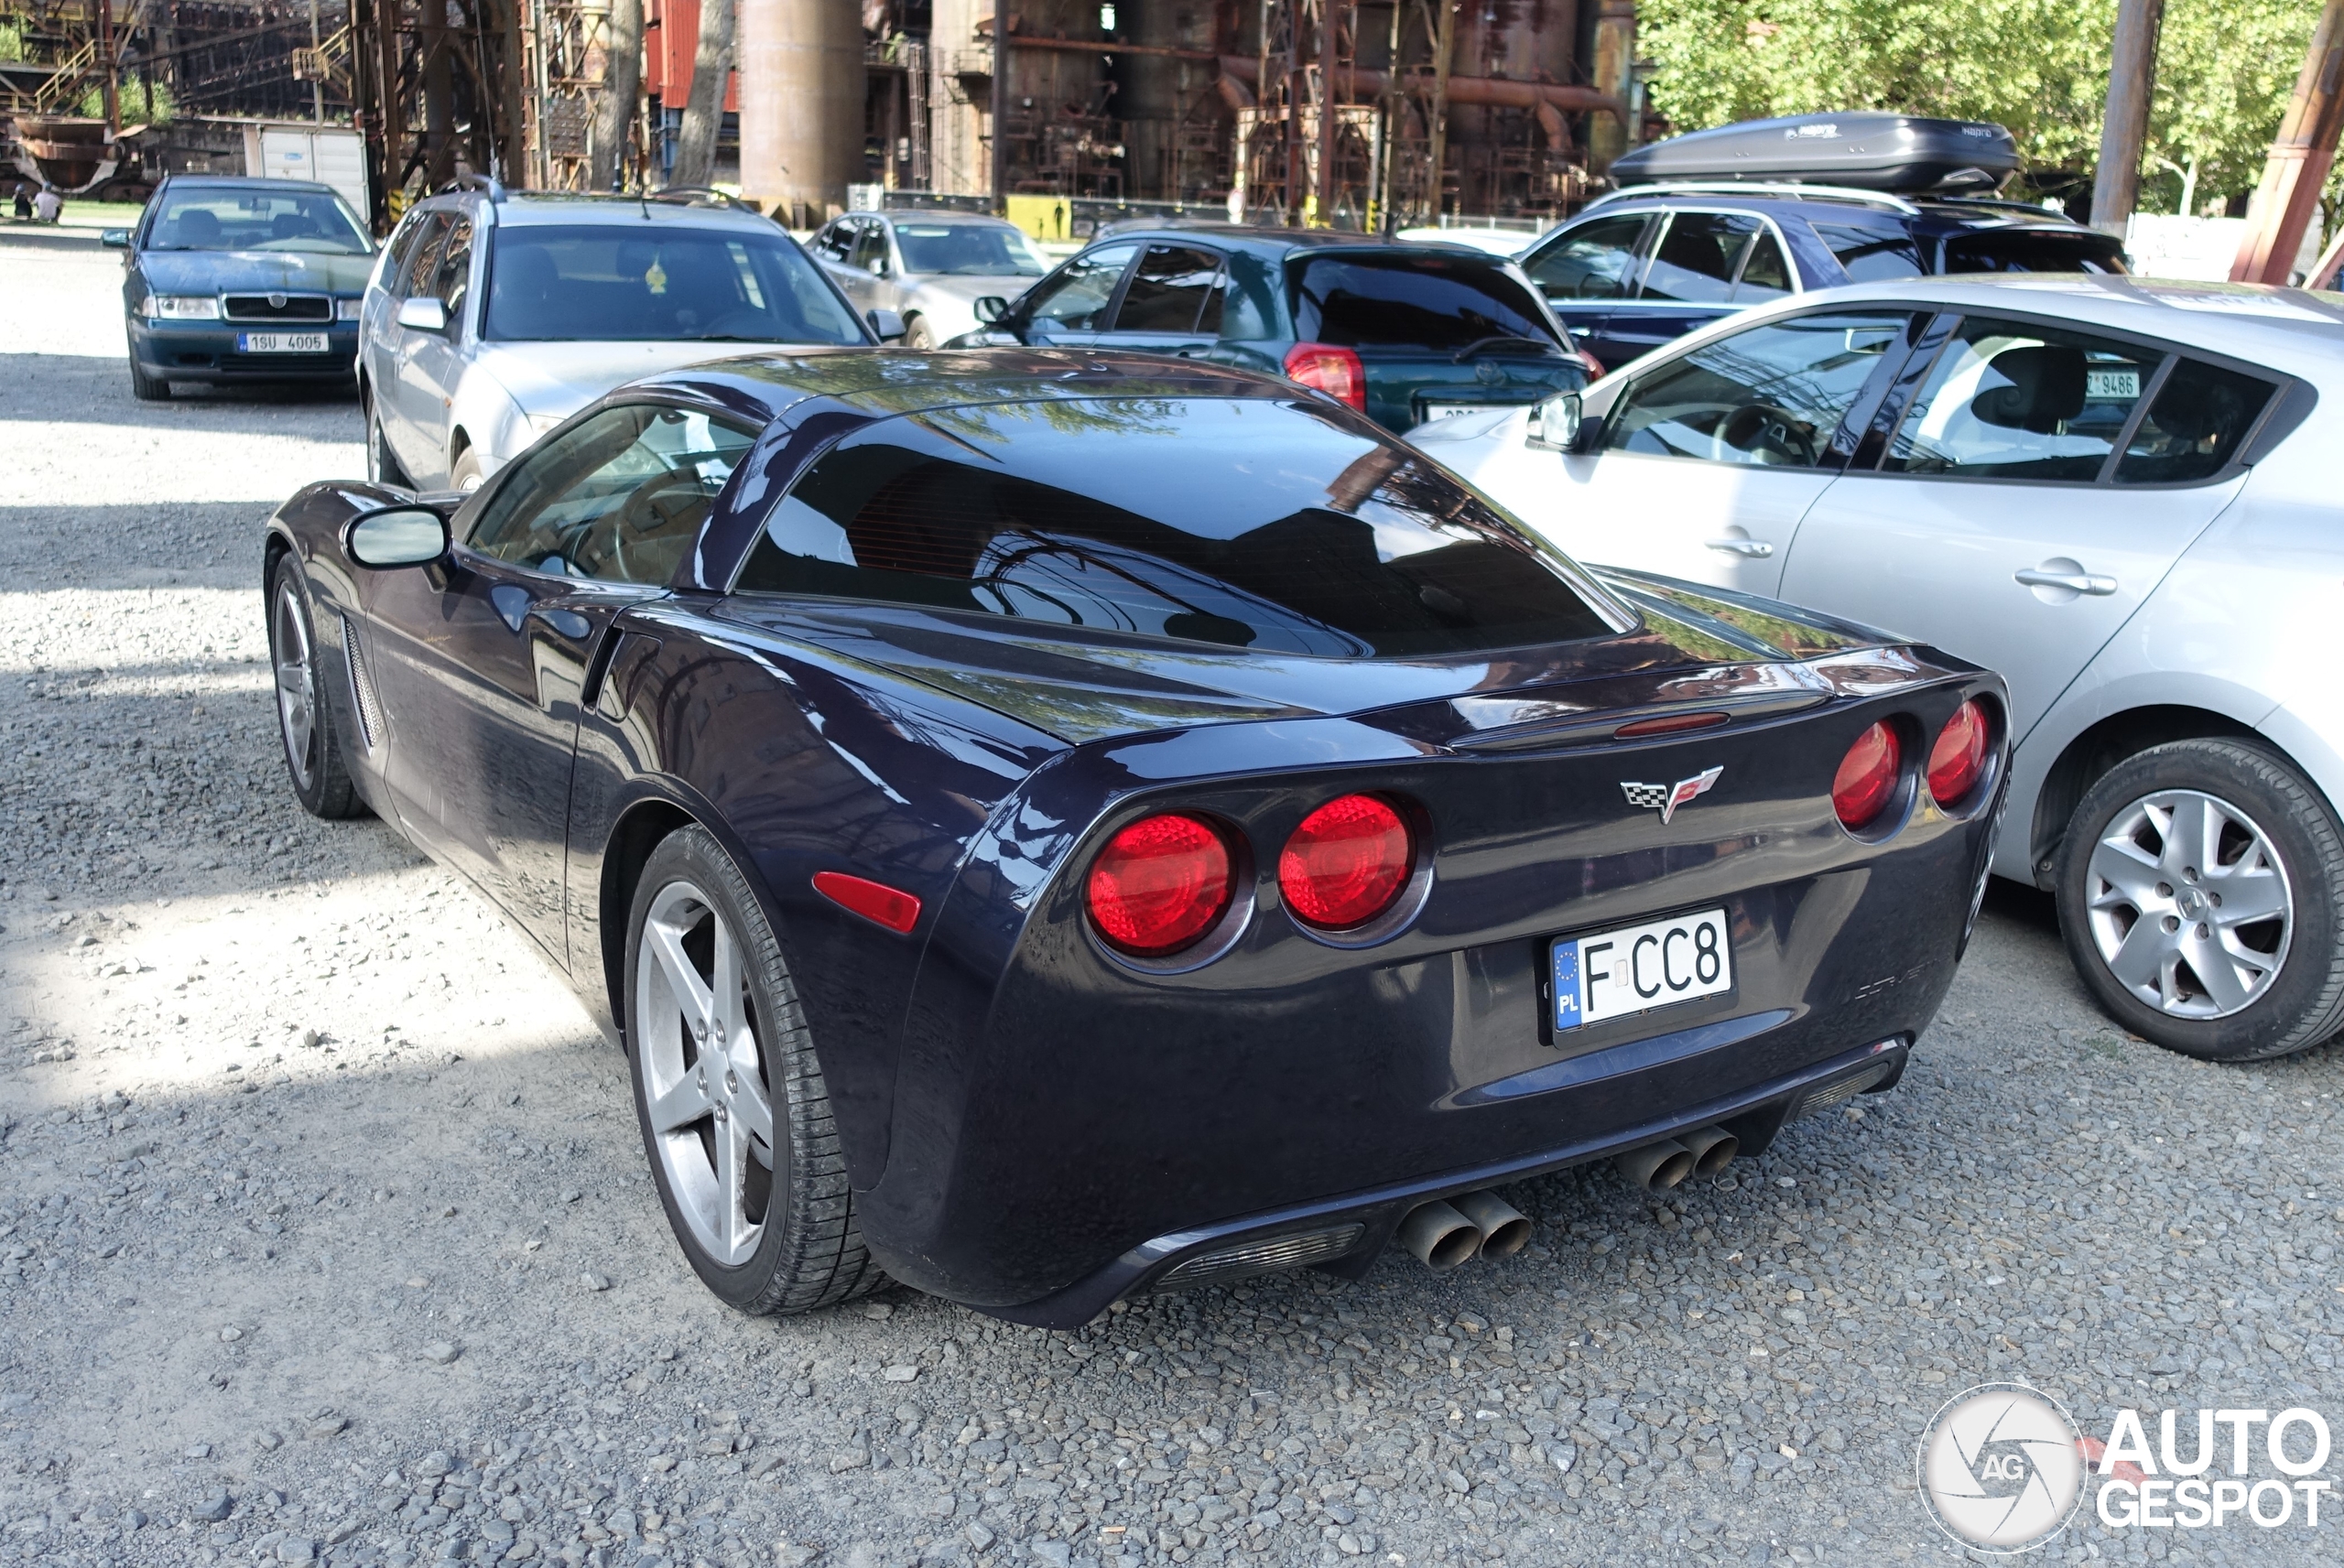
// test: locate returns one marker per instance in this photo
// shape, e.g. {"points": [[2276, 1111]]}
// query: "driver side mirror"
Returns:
{"points": [[887, 326], [878, 267], [115, 239], [424, 313], [1559, 425], [990, 307], [396, 537]]}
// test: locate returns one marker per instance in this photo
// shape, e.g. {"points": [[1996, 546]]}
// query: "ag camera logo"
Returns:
{"points": [[2002, 1467]]}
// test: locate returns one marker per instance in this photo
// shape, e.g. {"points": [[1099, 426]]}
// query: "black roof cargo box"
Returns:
{"points": [[1866, 149]]}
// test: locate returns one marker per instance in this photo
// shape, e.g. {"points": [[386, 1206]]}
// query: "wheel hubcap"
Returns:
{"points": [[2189, 905], [699, 1051], [297, 696]]}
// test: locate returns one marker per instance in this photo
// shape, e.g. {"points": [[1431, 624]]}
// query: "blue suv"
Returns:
{"points": [[1644, 266]]}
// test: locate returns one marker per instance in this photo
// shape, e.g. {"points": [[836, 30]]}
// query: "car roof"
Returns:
{"points": [[524, 209], [2295, 331], [1253, 237], [246, 182], [916, 215], [882, 383], [1931, 213]]}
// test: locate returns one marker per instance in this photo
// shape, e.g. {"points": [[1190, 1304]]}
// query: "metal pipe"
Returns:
{"points": [[1505, 1229], [1322, 195], [1657, 1167], [1356, 83], [1713, 1148], [1003, 23], [1440, 1236]]}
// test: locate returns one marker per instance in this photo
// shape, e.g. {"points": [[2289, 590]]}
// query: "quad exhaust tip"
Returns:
{"points": [[1445, 1235], [1657, 1167]]}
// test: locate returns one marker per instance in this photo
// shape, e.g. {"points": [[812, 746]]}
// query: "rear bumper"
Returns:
{"points": [[1754, 1115]]}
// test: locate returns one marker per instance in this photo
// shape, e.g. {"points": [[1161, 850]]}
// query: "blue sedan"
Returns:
{"points": [[241, 280], [1050, 827]]}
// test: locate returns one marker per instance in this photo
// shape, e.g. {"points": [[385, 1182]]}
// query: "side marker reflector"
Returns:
{"points": [[873, 901]]}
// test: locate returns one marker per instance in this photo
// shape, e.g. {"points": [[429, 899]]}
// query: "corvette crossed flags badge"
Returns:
{"points": [[1666, 798]]}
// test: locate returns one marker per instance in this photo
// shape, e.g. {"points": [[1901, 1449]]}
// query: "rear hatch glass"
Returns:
{"points": [[1275, 524], [1433, 302], [2033, 250]]}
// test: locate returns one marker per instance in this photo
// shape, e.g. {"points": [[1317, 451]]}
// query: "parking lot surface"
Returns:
{"points": [[326, 1234]]}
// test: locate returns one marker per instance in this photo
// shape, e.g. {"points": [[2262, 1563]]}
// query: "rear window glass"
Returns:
{"points": [[1250, 524], [1439, 302], [2036, 251], [2193, 430], [638, 282], [1872, 255]]}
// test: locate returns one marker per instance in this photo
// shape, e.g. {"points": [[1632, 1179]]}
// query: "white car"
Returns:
{"points": [[931, 268], [2120, 493], [492, 317]]}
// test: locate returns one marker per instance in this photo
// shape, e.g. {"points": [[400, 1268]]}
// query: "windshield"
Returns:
{"points": [[973, 250], [619, 284], [248, 220], [1260, 524], [1432, 301]]}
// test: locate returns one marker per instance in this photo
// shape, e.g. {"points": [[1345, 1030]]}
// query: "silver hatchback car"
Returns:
{"points": [[2118, 493], [931, 268], [493, 316]]}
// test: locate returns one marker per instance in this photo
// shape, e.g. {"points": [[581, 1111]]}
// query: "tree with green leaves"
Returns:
{"points": [[2040, 67]]}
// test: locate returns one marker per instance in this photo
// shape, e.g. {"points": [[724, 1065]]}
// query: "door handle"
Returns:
{"points": [[1754, 549], [2076, 582]]}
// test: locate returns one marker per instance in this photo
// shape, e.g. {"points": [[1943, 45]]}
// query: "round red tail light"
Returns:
{"points": [[1958, 758], [1160, 883], [1866, 781], [1345, 863]]}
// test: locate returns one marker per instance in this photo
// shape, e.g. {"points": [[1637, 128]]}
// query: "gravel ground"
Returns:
{"points": [[325, 1233]]}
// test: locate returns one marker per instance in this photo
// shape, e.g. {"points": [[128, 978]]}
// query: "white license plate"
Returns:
{"points": [[1639, 967], [280, 343], [1436, 412], [2111, 385]]}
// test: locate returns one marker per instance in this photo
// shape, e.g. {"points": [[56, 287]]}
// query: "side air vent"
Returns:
{"points": [[362, 685]]}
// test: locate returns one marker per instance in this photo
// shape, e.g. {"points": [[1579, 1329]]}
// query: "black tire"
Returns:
{"points": [[2278, 983], [808, 1251], [468, 473], [917, 333], [382, 465], [314, 759], [147, 388]]}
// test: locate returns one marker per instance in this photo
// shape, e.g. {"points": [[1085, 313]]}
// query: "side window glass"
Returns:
{"points": [[401, 247], [1074, 298], [1872, 255], [1769, 397], [1765, 274], [619, 498], [452, 281], [422, 263], [1594, 261], [870, 246], [2013, 400], [2193, 430], [1694, 262], [1244, 308], [1169, 290], [825, 244]]}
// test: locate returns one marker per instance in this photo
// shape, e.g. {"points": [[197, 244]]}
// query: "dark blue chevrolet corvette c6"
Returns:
{"points": [[1049, 828]]}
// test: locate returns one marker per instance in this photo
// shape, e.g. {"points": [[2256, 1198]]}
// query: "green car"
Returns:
{"points": [[1408, 334]]}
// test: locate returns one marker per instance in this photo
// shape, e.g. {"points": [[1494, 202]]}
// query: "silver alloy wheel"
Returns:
{"points": [[297, 686], [2189, 905], [702, 1065]]}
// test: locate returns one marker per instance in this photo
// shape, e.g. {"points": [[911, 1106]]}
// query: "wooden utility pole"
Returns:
{"points": [[2288, 197], [2124, 125]]}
